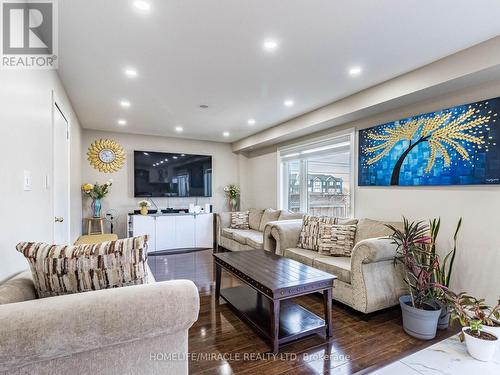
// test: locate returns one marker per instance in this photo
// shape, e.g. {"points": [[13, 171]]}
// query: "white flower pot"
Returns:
{"points": [[494, 331], [482, 350]]}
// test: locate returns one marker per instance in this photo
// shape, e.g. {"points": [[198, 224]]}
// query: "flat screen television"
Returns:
{"points": [[160, 174]]}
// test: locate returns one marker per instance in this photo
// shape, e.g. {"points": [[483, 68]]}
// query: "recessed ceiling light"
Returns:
{"points": [[225, 134], [142, 5], [183, 155], [161, 162], [355, 71], [145, 153], [122, 122], [270, 45], [288, 103], [251, 121], [179, 129], [166, 159], [174, 157], [125, 103], [131, 72]]}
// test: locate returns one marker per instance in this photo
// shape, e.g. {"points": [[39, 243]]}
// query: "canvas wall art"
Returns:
{"points": [[454, 146]]}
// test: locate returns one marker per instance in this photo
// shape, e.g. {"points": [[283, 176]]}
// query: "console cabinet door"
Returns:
{"points": [[184, 231], [165, 233], [204, 231], [142, 225]]}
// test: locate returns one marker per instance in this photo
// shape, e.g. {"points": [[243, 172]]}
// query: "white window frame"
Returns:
{"points": [[351, 132]]}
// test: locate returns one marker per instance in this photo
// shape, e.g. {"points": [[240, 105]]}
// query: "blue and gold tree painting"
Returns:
{"points": [[454, 146]]}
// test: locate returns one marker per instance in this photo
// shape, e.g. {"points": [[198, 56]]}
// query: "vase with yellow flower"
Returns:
{"points": [[144, 205], [96, 192]]}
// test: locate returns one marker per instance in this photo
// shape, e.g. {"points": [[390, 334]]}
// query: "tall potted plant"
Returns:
{"points": [[444, 269], [420, 309]]}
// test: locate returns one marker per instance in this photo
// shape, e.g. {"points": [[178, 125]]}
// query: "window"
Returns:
{"points": [[317, 177]]}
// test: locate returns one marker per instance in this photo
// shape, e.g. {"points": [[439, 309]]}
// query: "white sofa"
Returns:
{"points": [[368, 280], [117, 331], [258, 236]]}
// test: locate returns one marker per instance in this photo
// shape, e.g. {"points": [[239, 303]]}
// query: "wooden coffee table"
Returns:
{"points": [[263, 301]]}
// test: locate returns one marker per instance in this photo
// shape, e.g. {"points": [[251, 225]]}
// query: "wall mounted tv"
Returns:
{"points": [[159, 174]]}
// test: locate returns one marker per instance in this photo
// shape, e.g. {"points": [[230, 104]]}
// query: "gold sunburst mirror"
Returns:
{"points": [[106, 155]]}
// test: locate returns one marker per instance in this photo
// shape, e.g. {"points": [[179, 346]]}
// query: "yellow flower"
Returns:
{"points": [[87, 187]]}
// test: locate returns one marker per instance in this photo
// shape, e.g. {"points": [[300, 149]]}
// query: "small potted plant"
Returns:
{"points": [[420, 308], [480, 324], [233, 195], [144, 205]]}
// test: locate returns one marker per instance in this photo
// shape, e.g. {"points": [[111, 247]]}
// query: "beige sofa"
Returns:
{"points": [[129, 330], [258, 236], [368, 280]]}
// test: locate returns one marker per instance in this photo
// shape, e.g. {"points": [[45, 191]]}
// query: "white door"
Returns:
{"points": [[61, 177], [204, 231]]}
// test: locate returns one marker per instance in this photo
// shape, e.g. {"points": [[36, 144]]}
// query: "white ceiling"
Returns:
{"points": [[192, 52]]}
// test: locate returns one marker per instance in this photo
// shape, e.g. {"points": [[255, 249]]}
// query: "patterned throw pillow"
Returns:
{"points": [[62, 269], [240, 220], [336, 240], [309, 235]]}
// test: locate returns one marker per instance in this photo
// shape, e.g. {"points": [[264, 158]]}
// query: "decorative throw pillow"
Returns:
{"points": [[62, 269], [254, 218], [336, 240], [240, 220], [270, 214], [309, 235]]}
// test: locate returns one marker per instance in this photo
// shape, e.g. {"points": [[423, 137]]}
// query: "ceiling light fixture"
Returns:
{"points": [[125, 103], [122, 122], [131, 72], [145, 153], [355, 71], [270, 45], [288, 103], [226, 134], [174, 157], [251, 121], [142, 5], [179, 129]]}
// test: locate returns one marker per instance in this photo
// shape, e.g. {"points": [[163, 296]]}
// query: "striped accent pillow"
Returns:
{"points": [[309, 234], [336, 240], [62, 269], [240, 220]]}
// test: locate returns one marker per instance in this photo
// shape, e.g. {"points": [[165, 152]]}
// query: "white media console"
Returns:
{"points": [[174, 230]]}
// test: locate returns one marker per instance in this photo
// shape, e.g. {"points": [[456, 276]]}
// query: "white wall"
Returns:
{"points": [[478, 260], [26, 144], [226, 167]]}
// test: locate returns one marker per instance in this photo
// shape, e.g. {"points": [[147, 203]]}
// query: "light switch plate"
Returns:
{"points": [[27, 181]]}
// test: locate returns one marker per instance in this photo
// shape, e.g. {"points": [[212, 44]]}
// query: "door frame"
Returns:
{"points": [[57, 106]]}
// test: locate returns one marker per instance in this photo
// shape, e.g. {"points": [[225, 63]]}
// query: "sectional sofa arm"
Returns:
{"points": [[269, 239], [374, 250], [47, 328], [222, 220], [286, 234]]}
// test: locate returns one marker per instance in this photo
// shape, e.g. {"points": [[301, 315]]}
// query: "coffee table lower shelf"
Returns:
{"points": [[254, 308]]}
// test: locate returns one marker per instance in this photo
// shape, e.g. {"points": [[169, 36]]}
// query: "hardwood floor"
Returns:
{"points": [[235, 349]]}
